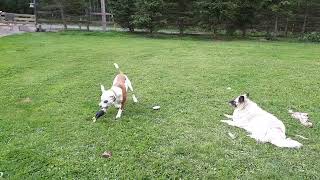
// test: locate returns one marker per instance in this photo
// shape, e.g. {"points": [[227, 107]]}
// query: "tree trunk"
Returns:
{"points": [[304, 23], [292, 29], [35, 12], [151, 29], [181, 26], [305, 19], [275, 31], [286, 27], [131, 28], [181, 30], [182, 7], [88, 19], [215, 31], [60, 5], [63, 18], [244, 31], [103, 16]]}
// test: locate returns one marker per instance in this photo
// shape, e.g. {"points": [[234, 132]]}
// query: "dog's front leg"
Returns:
{"points": [[117, 105], [119, 113], [124, 98], [228, 116], [231, 123]]}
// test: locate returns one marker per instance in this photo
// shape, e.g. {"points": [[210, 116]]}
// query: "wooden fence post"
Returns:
{"points": [[103, 14]]}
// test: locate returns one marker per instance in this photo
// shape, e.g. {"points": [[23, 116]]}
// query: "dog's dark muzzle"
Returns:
{"points": [[233, 103]]}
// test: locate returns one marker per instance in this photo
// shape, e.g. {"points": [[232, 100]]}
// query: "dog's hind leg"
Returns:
{"points": [[286, 142], [278, 138], [131, 89], [259, 137]]}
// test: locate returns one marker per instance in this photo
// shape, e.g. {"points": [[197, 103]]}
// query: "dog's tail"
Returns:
{"points": [[118, 68], [286, 143]]}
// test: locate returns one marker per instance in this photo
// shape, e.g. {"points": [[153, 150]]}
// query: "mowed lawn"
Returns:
{"points": [[50, 90]]}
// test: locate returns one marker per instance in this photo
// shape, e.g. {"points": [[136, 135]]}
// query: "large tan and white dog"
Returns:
{"points": [[116, 95], [262, 126]]}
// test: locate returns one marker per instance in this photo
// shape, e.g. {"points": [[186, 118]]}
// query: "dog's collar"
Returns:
{"points": [[114, 92]]}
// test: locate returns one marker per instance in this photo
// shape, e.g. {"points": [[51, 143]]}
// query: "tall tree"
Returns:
{"points": [[179, 13], [276, 9], [16, 6], [149, 14], [123, 11], [69, 7], [308, 7], [213, 13], [244, 14]]}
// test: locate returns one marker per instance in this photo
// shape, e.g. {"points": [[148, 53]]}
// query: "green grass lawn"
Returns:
{"points": [[50, 90]]}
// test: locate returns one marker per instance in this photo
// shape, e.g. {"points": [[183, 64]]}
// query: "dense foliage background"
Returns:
{"points": [[272, 17]]}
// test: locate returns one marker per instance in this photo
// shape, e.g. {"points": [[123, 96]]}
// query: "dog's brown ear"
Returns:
{"points": [[241, 99]]}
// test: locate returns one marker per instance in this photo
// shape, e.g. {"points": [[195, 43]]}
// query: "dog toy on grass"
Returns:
{"points": [[107, 154], [156, 107], [302, 117], [98, 115]]}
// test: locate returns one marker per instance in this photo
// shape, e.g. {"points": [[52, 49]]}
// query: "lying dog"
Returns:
{"points": [[116, 95], [262, 126]]}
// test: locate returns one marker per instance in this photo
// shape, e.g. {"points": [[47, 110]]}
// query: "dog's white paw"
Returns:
{"points": [[228, 116], [134, 98], [229, 122], [225, 121], [119, 114]]}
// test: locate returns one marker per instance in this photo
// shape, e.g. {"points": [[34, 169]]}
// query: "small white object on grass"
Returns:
{"points": [[301, 137], [116, 65], [107, 154], [156, 107], [231, 135], [229, 88], [134, 98]]}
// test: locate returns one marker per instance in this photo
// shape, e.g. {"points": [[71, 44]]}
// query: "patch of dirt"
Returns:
{"points": [[26, 100], [7, 30]]}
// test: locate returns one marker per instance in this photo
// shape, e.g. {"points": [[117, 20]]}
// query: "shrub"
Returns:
{"points": [[123, 11], [312, 37], [149, 14]]}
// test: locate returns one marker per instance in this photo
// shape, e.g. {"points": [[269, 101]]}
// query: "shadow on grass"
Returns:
{"points": [[159, 35], [192, 37]]}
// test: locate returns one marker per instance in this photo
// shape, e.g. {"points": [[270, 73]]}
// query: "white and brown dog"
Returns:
{"points": [[262, 126], [116, 95]]}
